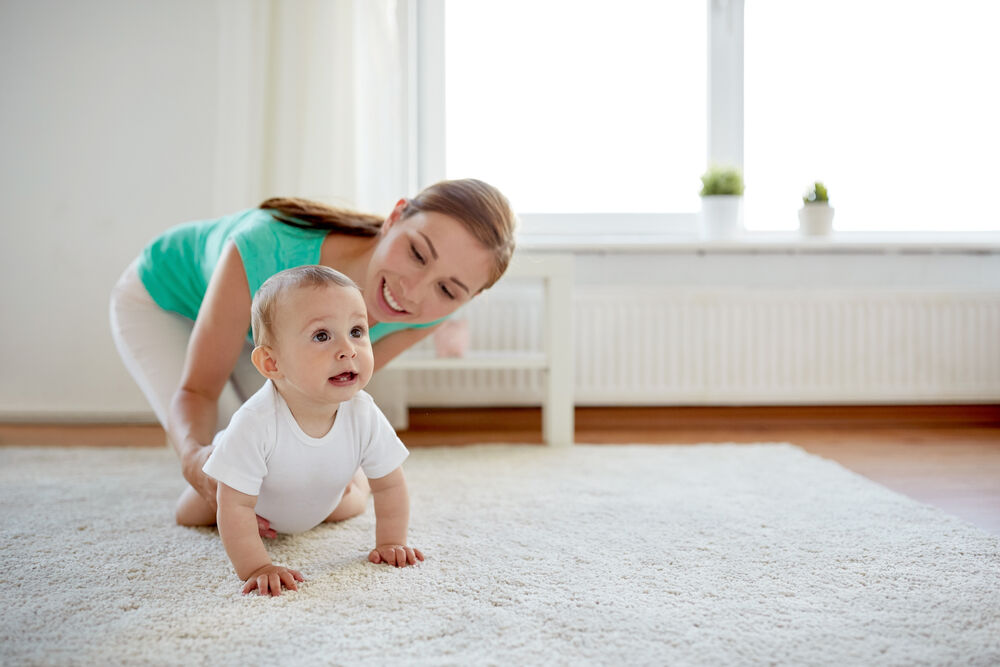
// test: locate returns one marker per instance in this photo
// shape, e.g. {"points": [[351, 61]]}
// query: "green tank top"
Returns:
{"points": [[177, 266]]}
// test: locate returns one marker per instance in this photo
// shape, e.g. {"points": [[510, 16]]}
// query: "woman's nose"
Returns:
{"points": [[414, 287]]}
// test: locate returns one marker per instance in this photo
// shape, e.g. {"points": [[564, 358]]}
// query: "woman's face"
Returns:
{"points": [[424, 267]]}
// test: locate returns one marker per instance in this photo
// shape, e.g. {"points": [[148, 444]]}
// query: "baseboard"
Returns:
{"points": [[499, 421], [667, 418]]}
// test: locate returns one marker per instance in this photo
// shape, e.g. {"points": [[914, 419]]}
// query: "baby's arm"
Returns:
{"points": [[238, 528], [392, 517]]}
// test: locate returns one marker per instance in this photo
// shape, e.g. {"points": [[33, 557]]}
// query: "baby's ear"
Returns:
{"points": [[264, 361]]}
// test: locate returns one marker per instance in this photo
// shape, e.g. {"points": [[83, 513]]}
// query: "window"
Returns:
{"points": [[596, 115], [893, 104], [577, 107]]}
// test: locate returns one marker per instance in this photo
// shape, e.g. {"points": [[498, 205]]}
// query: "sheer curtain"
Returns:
{"points": [[312, 102]]}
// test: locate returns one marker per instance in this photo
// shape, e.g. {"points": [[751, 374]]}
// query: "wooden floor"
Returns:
{"points": [[947, 456]]}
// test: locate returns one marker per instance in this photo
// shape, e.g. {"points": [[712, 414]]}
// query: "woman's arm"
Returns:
{"points": [[396, 343], [215, 346]]}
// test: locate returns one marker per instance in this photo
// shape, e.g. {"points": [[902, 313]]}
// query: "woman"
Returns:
{"points": [[180, 314]]}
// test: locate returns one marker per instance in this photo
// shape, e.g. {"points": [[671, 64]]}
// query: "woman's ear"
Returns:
{"points": [[265, 363], [397, 213]]}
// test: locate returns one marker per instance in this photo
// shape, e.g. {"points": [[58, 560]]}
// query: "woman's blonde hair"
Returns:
{"points": [[265, 301], [479, 206]]}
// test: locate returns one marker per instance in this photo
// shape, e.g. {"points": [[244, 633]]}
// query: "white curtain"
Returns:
{"points": [[313, 102]]}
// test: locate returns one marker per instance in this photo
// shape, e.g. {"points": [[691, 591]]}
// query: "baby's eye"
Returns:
{"points": [[416, 254], [447, 292], [358, 332], [321, 336]]}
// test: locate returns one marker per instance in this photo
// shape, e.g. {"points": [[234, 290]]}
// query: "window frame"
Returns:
{"points": [[426, 19]]}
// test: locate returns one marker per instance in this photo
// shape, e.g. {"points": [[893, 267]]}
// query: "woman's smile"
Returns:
{"points": [[390, 300]]}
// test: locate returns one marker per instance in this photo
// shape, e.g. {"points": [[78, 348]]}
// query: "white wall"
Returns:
{"points": [[109, 133], [107, 129]]}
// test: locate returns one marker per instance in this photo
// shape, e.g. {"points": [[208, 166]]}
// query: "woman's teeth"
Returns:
{"points": [[389, 300]]}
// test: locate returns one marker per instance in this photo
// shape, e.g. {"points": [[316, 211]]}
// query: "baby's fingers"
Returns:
{"points": [[274, 583], [260, 583], [375, 557], [263, 585], [392, 556], [288, 579], [413, 555]]}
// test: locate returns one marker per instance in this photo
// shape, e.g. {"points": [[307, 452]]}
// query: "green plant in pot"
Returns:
{"points": [[816, 214], [721, 202]]}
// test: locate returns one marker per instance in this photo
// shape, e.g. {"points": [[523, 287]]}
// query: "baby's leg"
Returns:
{"points": [[193, 510], [354, 500]]}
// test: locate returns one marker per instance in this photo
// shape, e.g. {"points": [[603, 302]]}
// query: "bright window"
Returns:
{"points": [[578, 106], [893, 104]]}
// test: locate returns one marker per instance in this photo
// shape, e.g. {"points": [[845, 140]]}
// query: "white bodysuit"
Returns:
{"points": [[299, 480]]}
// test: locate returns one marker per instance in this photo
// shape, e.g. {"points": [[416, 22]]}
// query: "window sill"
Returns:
{"points": [[782, 243]]}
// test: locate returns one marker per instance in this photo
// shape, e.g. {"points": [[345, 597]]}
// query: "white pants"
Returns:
{"points": [[153, 344]]}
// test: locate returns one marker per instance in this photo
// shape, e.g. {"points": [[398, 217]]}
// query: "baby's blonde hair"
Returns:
{"points": [[265, 301]]}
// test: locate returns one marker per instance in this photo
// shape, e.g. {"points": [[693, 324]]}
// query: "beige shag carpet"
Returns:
{"points": [[636, 555]]}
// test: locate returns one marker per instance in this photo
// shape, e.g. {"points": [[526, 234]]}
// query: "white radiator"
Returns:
{"points": [[642, 346]]}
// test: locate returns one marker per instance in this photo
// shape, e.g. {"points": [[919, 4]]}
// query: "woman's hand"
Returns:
{"points": [[191, 467], [399, 555], [269, 579]]}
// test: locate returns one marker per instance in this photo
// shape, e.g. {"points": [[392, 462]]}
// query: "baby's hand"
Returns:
{"points": [[268, 580], [399, 555]]}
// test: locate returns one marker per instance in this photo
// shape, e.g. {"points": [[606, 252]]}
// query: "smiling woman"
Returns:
{"points": [[180, 314]]}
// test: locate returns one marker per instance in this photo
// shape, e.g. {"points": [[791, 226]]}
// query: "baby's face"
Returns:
{"points": [[321, 344]]}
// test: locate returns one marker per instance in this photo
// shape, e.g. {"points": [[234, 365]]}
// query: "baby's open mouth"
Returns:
{"points": [[344, 378]]}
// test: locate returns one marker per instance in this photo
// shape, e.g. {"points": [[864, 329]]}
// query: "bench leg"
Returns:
{"points": [[388, 388], [558, 405]]}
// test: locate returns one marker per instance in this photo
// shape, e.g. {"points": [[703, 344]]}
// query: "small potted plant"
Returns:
{"points": [[816, 214], [722, 202]]}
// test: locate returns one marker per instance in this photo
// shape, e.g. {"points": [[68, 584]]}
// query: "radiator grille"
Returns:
{"points": [[731, 346]]}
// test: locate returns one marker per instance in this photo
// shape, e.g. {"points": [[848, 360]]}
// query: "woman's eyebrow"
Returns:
{"points": [[429, 244]]}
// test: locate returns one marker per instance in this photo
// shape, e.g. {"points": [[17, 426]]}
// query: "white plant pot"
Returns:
{"points": [[721, 216], [816, 219]]}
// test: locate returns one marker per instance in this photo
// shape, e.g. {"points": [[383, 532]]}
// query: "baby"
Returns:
{"points": [[292, 452]]}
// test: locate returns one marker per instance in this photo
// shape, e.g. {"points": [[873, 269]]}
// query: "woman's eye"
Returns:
{"points": [[358, 332], [447, 292], [321, 336], [416, 254]]}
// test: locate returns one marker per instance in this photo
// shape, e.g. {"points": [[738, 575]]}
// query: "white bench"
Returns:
{"points": [[555, 361]]}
